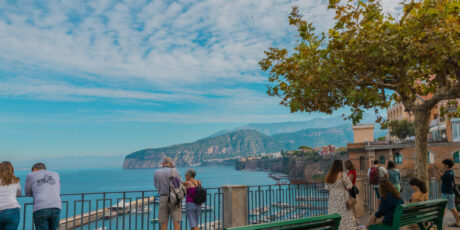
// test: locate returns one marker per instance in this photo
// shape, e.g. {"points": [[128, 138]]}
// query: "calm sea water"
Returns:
{"points": [[116, 179]]}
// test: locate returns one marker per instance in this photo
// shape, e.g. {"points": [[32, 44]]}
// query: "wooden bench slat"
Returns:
{"points": [[327, 221], [416, 213]]}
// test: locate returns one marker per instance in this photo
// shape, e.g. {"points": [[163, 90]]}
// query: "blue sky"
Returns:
{"points": [[111, 77]]}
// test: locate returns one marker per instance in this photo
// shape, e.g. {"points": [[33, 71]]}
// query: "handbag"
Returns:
{"points": [[351, 202]]}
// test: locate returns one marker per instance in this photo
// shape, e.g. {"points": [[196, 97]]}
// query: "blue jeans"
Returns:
{"points": [[377, 194], [47, 219], [9, 219], [450, 200]]}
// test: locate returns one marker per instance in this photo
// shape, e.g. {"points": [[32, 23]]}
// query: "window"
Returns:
{"points": [[362, 163], [456, 132], [456, 157], [431, 158], [382, 160], [398, 158]]}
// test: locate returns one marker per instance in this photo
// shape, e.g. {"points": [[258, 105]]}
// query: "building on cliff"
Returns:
{"points": [[443, 143]]}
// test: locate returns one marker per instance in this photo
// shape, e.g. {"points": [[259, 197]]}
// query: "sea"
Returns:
{"points": [[115, 186], [119, 180]]}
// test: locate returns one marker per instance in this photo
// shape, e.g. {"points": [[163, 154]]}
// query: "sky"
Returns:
{"points": [[108, 78]]}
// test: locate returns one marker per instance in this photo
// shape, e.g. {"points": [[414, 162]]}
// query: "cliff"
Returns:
{"points": [[299, 168], [210, 150]]}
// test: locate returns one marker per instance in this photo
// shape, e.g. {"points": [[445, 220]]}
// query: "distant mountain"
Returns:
{"points": [[315, 123], [287, 127], [338, 136], [223, 147], [245, 142]]}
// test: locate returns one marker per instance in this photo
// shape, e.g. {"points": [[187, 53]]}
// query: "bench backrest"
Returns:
{"points": [[318, 222], [412, 213]]}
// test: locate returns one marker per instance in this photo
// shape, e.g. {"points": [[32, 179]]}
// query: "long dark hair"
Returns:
{"points": [[386, 187], [7, 174], [419, 183], [391, 165], [349, 165], [336, 168]]}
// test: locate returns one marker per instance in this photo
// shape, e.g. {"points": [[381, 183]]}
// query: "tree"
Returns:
{"points": [[401, 129], [370, 59]]}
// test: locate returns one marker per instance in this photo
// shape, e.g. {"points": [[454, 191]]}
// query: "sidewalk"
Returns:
{"points": [[447, 219]]}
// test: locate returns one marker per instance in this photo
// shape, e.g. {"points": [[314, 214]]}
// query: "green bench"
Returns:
{"points": [[425, 214], [318, 222]]}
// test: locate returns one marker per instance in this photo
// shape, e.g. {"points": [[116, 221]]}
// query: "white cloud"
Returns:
{"points": [[169, 51]]}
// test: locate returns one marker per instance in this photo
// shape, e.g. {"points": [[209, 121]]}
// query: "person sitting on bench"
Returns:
{"points": [[390, 198]]}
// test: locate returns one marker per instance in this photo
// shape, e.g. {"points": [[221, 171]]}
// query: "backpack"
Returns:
{"points": [[374, 175], [200, 194], [176, 191]]}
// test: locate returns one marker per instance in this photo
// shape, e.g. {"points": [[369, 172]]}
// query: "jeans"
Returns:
{"points": [[377, 194], [9, 219], [47, 219]]}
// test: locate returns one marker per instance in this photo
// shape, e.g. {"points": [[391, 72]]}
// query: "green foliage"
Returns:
{"points": [[381, 138], [401, 129], [368, 59]]}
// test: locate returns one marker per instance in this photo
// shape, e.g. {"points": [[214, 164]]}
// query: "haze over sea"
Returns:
{"points": [[117, 179]]}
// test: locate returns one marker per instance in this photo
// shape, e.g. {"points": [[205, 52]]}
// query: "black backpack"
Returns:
{"points": [[200, 194]]}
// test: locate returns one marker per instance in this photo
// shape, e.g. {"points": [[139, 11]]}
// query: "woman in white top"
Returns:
{"points": [[9, 190]]}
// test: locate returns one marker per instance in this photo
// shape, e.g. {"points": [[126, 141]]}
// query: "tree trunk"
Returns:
{"points": [[422, 119]]}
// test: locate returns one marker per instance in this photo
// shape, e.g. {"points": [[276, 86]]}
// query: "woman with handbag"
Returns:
{"points": [[338, 184], [389, 200], [351, 173]]}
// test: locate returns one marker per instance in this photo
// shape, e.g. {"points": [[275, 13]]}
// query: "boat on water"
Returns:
{"points": [[302, 198], [281, 204], [204, 207], [259, 211]]}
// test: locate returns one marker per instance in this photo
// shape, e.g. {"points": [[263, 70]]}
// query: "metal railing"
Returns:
{"points": [[267, 203], [139, 209], [371, 202], [121, 210]]}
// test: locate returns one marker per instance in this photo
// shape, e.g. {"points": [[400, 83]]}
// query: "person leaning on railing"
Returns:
{"points": [[45, 187], [10, 188]]}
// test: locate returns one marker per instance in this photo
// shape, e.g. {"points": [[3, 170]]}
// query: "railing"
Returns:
{"points": [[139, 209], [283, 202], [371, 202], [121, 210]]}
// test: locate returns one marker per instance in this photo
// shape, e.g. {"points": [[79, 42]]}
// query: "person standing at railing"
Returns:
{"points": [[351, 173], [447, 188], [394, 175], [10, 188], [45, 187], [338, 184], [376, 174], [162, 180], [192, 209]]}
